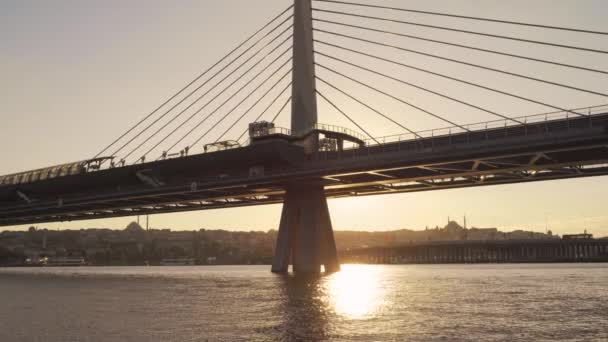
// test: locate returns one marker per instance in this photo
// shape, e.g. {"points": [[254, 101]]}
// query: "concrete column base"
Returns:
{"points": [[306, 237]]}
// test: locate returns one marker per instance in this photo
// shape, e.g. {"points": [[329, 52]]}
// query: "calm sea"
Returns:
{"points": [[361, 303]]}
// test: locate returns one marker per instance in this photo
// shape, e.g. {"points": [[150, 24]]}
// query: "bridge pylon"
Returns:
{"points": [[306, 237]]}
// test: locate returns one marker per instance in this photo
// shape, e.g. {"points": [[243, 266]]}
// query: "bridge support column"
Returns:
{"points": [[306, 237]]}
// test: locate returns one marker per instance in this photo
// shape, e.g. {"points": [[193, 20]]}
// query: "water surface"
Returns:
{"points": [[360, 303]]}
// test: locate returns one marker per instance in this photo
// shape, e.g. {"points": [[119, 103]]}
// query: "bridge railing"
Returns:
{"points": [[338, 129], [275, 131], [491, 125], [316, 127]]}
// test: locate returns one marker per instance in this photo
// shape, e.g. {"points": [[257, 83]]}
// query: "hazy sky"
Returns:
{"points": [[76, 74]]}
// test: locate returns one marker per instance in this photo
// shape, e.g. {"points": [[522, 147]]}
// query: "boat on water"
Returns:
{"points": [[177, 262], [65, 262]]}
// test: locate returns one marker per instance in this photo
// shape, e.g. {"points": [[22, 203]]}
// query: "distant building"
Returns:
{"points": [[584, 236]]}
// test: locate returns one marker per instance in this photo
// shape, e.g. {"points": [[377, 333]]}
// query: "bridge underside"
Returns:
{"points": [[547, 151]]}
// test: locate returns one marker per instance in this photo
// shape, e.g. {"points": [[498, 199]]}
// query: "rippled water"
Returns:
{"points": [[414, 303]]}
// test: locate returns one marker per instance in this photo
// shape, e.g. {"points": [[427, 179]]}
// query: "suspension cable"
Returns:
{"points": [[196, 79], [467, 64], [202, 85], [281, 109], [466, 17], [391, 96], [228, 100], [574, 109], [453, 79], [212, 100], [463, 46], [367, 106], [221, 105], [265, 110], [463, 31], [233, 109], [422, 88], [256, 103], [240, 77], [276, 115], [346, 115]]}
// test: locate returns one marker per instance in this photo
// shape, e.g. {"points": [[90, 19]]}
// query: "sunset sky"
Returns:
{"points": [[77, 74]]}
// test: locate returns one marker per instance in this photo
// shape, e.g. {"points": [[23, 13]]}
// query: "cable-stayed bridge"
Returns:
{"points": [[194, 152]]}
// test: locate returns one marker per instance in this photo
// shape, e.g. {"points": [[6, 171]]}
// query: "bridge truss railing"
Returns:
{"points": [[479, 127], [491, 125], [316, 127], [270, 131], [338, 129]]}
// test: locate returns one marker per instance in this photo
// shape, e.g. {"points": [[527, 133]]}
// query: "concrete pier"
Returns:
{"points": [[306, 237]]}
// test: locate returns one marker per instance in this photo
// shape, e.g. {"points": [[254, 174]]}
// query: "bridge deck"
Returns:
{"points": [[257, 174]]}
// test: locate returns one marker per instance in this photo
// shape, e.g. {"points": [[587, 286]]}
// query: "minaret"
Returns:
{"points": [[44, 238]]}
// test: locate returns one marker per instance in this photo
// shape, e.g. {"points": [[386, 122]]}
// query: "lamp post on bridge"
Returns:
{"points": [[306, 237]]}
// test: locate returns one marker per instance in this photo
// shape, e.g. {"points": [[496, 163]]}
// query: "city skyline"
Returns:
{"points": [[71, 68], [462, 223]]}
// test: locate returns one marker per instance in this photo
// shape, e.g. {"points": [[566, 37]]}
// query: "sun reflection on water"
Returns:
{"points": [[356, 291]]}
